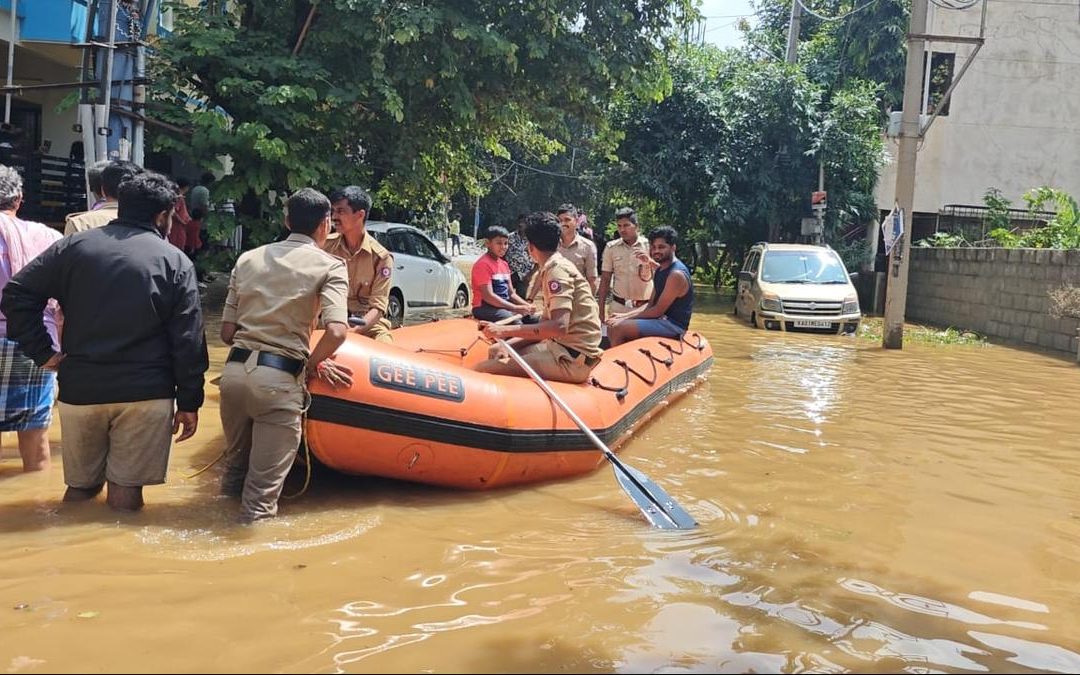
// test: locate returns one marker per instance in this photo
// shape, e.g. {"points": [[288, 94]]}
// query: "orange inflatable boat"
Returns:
{"points": [[417, 411]]}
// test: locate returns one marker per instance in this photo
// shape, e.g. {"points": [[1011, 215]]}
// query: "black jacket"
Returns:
{"points": [[133, 327]]}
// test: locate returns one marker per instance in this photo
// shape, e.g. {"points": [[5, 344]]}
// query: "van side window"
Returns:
{"points": [[752, 262]]}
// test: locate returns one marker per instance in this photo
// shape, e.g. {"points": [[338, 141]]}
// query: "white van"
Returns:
{"points": [[797, 287]]}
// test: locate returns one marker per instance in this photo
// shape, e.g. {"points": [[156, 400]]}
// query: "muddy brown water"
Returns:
{"points": [[860, 510]]}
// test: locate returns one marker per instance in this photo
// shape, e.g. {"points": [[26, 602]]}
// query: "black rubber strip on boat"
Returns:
{"points": [[457, 432]]}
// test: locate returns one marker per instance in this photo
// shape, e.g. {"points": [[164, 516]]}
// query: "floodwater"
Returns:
{"points": [[860, 511]]}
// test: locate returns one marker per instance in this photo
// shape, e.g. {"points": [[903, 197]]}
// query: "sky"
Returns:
{"points": [[721, 19]]}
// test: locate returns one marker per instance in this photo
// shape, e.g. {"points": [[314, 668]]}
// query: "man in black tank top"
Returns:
{"points": [[668, 312]]}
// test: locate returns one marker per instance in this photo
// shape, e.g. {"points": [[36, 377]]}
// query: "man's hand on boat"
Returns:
{"points": [[554, 328], [332, 372], [493, 331]]}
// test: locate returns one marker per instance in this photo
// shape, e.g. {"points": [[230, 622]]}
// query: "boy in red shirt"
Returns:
{"points": [[494, 298]]}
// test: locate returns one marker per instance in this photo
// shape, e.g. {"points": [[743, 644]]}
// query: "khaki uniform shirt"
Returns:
{"points": [[88, 220], [564, 287], [369, 272], [626, 271], [277, 291], [582, 253]]}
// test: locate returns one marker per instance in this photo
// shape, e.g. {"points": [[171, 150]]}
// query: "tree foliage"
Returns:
{"points": [[733, 152], [410, 98], [867, 45]]}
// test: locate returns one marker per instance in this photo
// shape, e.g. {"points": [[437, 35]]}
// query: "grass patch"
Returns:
{"points": [[871, 329]]}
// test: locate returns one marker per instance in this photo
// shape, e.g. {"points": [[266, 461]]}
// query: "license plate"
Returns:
{"points": [[813, 324]]}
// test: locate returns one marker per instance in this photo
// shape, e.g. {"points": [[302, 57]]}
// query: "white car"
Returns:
{"points": [[423, 278], [797, 287]]}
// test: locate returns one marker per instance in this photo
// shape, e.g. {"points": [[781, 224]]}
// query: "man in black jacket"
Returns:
{"points": [[132, 344]]}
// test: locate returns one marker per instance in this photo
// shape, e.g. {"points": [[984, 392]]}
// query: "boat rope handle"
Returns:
{"points": [[667, 362], [644, 379], [700, 346], [672, 349], [460, 351], [620, 392]]}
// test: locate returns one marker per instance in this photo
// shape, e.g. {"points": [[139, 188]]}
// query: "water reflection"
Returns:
{"points": [[443, 603], [914, 603]]}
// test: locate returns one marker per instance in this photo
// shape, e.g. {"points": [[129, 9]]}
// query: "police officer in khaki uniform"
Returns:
{"points": [[574, 247], [112, 175], [369, 264], [565, 345], [626, 270], [276, 292]]}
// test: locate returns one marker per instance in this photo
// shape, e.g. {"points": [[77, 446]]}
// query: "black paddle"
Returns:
{"points": [[659, 508]]}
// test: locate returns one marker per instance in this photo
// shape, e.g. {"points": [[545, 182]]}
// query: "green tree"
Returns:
{"points": [[1062, 230], [411, 99], [866, 45], [733, 153]]}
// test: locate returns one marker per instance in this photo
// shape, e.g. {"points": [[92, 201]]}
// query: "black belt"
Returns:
{"points": [[290, 366], [589, 360], [624, 301]]}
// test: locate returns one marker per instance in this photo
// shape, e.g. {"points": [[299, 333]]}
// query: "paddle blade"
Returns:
{"points": [[659, 508]]}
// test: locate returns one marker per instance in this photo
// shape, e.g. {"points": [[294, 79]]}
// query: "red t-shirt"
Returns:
{"points": [[489, 270], [178, 231]]}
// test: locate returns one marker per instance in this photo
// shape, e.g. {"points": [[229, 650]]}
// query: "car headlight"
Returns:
{"points": [[851, 304], [770, 302]]}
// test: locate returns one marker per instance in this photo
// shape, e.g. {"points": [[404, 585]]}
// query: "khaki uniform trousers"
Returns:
{"points": [[549, 359], [381, 331], [261, 408]]}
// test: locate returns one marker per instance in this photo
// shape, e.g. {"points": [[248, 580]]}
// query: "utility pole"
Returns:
{"points": [[793, 32], [819, 236], [11, 58], [101, 112], [793, 57], [910, 131]]}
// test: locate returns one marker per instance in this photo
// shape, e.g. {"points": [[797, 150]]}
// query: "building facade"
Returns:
{"points": [[1011, 123], [45, 134]]}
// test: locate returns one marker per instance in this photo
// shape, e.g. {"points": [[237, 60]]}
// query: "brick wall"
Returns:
{"points": [[1001, 293]]}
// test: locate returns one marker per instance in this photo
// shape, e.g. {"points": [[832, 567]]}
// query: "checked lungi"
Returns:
{"points": [[26, 391]]}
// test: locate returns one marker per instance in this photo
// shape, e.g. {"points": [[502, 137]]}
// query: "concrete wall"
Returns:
{"points": [[57, 127], [1001, 293], [1012, 123]]}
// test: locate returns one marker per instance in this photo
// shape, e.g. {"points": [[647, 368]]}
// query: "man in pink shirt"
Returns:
{"points": [[26, 390], [494, 298]]}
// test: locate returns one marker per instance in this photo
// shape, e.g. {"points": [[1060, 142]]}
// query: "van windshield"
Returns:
{"points": [[803, 267]]}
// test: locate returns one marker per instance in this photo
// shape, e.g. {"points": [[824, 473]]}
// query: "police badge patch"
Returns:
{"points": [[385, 271], [554, 286]]}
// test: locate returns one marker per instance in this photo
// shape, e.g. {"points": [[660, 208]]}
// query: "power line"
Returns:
{"points": [[723, 25], [834, 18], [548, 173]]}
